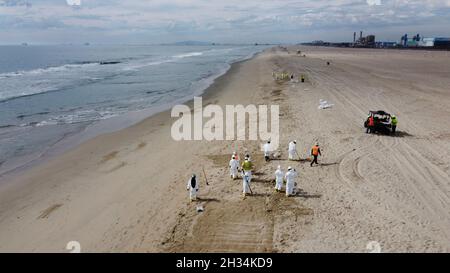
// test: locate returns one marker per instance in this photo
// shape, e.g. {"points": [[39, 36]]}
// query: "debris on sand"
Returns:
{"points": [[323, 104]]}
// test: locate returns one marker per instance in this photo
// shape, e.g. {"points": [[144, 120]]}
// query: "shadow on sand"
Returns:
{"points": [[304, 194], [259, 195], [328, 164], [261, 180], [294, 160], [401, 134], [397, 134], [208, 200]]}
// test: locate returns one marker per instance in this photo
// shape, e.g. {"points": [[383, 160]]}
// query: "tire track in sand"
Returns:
{"points": [[427, 182], [417, 165], [235, 226]]}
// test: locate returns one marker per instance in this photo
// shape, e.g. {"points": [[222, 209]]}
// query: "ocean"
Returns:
{"points": [[53, 97]]}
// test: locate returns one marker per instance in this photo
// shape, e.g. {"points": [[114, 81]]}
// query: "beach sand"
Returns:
{"points": [[126, 191]]}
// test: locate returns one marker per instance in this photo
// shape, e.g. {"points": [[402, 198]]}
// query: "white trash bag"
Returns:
{"points": [[323, 104]]}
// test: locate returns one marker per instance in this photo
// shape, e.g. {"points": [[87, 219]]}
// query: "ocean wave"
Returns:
{"points": [[51, 69], [8, 97], [22, 116], [138, 66], [82, 116], [44, 123], [7, 126], [36, 82], [135, 67], [79, 117], [187, 55]]}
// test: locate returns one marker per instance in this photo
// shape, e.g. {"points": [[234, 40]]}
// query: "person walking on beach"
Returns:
{"points": [[290, 181], [246, 184], [267, 151], [247, 168], [292, 150], [394, 123], [315, 152], [234, 167], [235, 155], [279, 176], [192, 187]]}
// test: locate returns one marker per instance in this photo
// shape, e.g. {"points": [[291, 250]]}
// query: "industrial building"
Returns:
{"points": [[368, 41], [386, 44], [422, 42], [438, 42], [414, 42]]}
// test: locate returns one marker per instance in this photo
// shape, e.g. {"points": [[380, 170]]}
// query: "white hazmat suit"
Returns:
{"points": [[234, 166], [279, 176], [192, 187], [267, 149], [290, 182], [236, 157], [292, 150]]}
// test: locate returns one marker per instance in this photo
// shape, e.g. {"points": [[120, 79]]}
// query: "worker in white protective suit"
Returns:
{"points": [[292, 149], [234, 167], [290, 181], [279, 176], [192, 187], [236, 156], [267, 151]]}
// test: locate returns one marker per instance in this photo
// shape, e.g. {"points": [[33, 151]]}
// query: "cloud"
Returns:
{"points": [[374, 2], [14, 3], [73, 2], [223, 21]]}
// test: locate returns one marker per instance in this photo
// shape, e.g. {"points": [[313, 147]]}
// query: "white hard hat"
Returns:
{"points": [[289, 168]]}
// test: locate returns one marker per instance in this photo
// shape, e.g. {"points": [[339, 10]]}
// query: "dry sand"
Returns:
{"points": [[125, 191]]}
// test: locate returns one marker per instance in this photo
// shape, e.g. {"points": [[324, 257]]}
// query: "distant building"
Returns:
{"points": [[443, 43], [427, 42], [431, 42], [386, 44], [318, 43], [368, 41]]}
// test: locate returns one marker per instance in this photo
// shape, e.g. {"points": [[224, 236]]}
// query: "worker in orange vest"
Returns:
{"points": [[315, 152]]}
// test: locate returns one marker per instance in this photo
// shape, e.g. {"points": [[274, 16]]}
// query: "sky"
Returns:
{"points": [[222, 21]]}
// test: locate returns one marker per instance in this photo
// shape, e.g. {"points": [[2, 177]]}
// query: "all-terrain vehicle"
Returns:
{"points": [[382, 122]]}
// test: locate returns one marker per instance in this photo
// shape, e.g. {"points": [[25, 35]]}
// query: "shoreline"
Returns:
{"points": [[111, 125], [102, 159]]}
